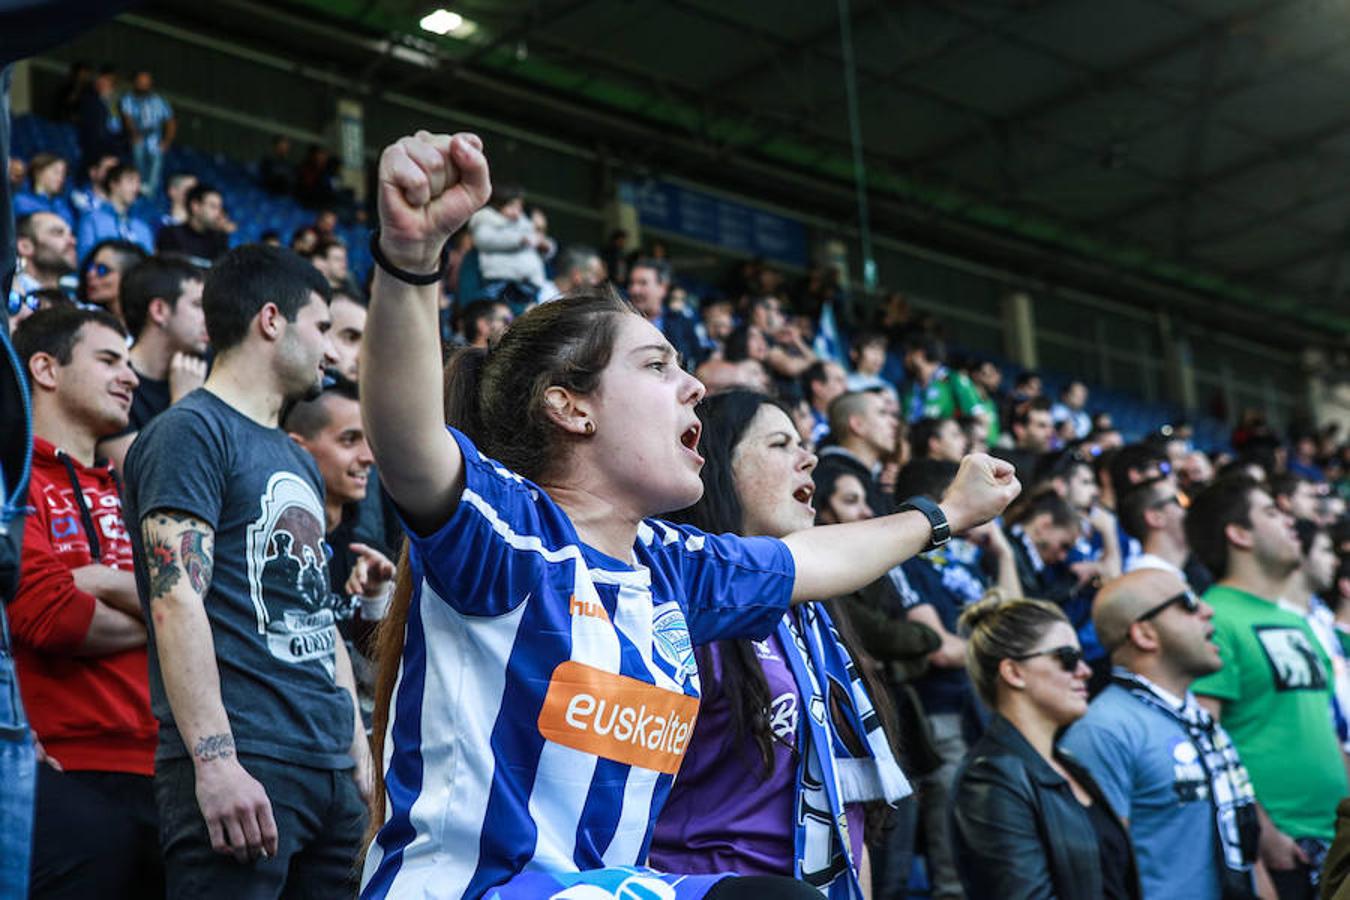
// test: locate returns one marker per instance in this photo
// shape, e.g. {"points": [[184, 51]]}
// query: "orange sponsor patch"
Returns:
{"points": [[617, 717]]}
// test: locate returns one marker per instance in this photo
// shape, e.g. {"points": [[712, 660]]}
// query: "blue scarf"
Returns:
{"points": [[830, 774]]}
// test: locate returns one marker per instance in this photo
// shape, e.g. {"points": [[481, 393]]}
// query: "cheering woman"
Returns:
{"points": [[537, 686], [766, 787]]}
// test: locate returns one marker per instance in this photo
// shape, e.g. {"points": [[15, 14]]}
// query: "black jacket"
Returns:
{"points": [[1017, 829]]}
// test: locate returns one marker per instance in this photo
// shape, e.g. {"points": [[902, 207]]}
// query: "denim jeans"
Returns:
{"points": [[149, 160], [18, 777]]}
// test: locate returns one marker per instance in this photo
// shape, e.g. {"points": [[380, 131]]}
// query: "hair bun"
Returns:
{"points": [[979, 612]]}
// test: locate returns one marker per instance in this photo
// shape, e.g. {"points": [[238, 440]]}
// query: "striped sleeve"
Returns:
{"points": [[734, 587], [487, 557]]}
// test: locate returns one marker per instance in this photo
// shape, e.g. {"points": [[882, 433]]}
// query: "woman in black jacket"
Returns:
{"points": [[1028, 821]]}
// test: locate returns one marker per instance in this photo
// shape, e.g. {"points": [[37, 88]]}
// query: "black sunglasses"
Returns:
{"points": [[1187, 599], [1165, 502], [1068, 657]]}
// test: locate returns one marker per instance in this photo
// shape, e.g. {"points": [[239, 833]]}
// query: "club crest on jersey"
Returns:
{"points": [[670, 638]]}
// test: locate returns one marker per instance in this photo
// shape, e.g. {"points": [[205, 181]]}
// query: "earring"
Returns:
{"points": [[590, 427]]}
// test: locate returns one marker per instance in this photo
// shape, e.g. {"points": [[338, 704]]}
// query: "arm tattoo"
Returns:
{"points": [[162, 566], [214, 746], [194, 550], [169, 556]]}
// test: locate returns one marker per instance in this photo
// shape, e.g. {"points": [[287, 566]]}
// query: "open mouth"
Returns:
{"points": [[689, 438], [804, 493]]}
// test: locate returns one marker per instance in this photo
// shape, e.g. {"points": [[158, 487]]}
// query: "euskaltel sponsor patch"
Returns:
{"points": [[617, 717]]}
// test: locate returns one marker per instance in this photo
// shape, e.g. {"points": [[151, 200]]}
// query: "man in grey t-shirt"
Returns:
{"points": [[262, 758]]}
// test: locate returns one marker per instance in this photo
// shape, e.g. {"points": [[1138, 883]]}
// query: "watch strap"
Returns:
{"points": [[937, 520]]}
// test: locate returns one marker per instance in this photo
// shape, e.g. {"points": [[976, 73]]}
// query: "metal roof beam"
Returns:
{"points": [[1095, 82]]}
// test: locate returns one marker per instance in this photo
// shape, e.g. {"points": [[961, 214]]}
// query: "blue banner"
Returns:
{"points": [[739, 229]]}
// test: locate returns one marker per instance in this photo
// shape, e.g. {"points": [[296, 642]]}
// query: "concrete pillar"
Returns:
{"points": [[21, 88], [1019, 330], [351, 134]]}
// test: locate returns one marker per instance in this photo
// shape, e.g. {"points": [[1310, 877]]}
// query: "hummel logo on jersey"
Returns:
{"points": [[593, 608], [617, 717]]}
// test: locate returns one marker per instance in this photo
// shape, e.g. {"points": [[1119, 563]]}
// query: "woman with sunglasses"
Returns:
{"points": [[537, 685], [1027, 820], [102, 270]]}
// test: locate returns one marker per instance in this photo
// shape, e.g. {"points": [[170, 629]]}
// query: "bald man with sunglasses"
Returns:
{"points": [[1166, 766]]}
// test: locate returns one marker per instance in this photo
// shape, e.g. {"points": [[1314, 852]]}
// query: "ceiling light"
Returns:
{"points": [[442, 21]]}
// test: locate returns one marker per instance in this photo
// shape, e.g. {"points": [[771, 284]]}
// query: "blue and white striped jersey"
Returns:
{"points": [[547, 691]]}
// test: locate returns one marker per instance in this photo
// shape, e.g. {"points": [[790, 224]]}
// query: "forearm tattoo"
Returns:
{"points": [[214, 746], [169, 556]]}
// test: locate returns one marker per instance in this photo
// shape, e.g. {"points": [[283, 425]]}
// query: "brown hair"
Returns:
{"points": [[997, 629], [496, 397]]}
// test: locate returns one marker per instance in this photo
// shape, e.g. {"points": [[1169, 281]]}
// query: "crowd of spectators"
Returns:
{"points": [[1202, 599]]}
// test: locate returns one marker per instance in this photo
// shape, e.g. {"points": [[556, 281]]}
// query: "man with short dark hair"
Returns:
{"points": [[46, 248], [1274, 690], [330, 258], [162, 303], [940, 439], [1069, 415], [1151, 513], [113, 219], [202, 237], [361, 574], [483, 321], [648, 289], [822, 383], [1032, 432], [1297, 496], [865, 431], [348, 311], [868, 355], [253, 689], [934, 391], [1042, 532], [79, 636], [577, 266], [1166, 767]]}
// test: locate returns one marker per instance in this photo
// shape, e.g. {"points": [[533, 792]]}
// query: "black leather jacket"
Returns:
{"points": [[1017, 829]]}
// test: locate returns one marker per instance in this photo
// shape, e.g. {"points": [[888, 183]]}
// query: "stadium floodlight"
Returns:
{"points": [[442, 21]]}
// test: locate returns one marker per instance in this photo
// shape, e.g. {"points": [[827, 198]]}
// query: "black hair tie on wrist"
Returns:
{"points": [[413, 278]]}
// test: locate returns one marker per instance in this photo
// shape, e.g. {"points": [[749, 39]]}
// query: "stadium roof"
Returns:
{"points": [[1161, 149]]}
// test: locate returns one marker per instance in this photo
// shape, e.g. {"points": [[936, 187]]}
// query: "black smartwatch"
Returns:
{"points": [[942, 532]]}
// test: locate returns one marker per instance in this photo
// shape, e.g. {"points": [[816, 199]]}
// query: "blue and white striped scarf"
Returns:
{"points": [[827, 680]]}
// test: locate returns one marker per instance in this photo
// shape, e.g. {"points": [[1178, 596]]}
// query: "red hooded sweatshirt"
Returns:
{"points": [[90, 712]]}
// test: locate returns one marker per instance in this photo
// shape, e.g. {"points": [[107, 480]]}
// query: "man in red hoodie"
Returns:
{"points": [[79, 637]]}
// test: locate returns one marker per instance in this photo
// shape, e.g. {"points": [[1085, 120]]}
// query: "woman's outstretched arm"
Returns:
{"points": [[833, 560], [429, 185]]}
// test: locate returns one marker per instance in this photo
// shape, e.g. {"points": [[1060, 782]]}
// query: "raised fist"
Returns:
{"points": [[982, 489], [429, 185]]}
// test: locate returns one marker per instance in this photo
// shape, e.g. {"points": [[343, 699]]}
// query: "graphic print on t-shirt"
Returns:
{"points": [[1294, 663], [288, 572]]}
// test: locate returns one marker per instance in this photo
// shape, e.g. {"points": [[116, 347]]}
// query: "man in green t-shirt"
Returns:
{"points": [[934, 391], [1274, 690]]}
